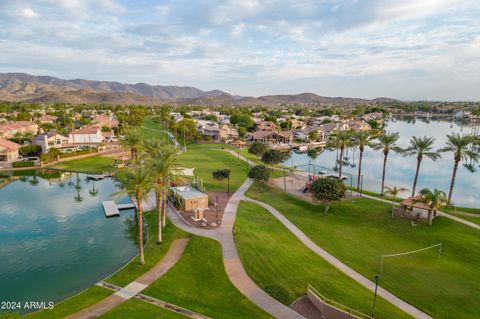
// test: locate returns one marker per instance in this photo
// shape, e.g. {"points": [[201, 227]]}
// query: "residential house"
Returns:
{"points": [[271, 137], [86, 136], [265, 126], [9, 129], [358, 125], [47, 119], [304, 134], [104, 120], [8, 151], [52, 140]]}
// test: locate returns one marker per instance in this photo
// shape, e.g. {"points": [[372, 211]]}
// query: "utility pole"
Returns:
{"points": [[375, 295]]}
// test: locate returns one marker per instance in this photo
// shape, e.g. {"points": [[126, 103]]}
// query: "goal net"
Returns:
{"points": [[436, 249]]}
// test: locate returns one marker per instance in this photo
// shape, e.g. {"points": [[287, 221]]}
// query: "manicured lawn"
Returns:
{"points": [[149, 129], [283, 266], [198, 282], [153, 252], [74, 304], [358, 232], [135, 308], [206, 158], [94, 164]]}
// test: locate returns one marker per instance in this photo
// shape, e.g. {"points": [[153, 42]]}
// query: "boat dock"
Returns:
{"points": [[112, 209]]}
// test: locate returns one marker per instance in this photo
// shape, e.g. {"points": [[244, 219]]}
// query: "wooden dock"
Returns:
{"points": [[112, 209]]}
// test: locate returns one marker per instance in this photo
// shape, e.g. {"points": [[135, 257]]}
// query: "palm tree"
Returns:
{"points": [[421, 147], [386, 143], [341, 140], [133, 140], [162, 164], [435, 200], [362, 140], [458, 145], [137, 182], [394, 191]]}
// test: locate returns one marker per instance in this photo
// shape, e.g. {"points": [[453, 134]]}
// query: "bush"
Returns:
{"points": [[22, 164], [30, 150], [257, 148], [274, 157], [259, 173], [327, 190]]}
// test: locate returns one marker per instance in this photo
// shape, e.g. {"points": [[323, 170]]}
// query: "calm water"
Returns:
{"points": [[401, 170], [54, 238]]}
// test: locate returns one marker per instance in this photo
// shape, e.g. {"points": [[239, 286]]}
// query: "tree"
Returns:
{"points": [[394, 191], [242, 131], [133, 141], [421, 147], [341, 140], [435, 200], [137, 182], [162, 164], [211, 117], [273, 157], [458, 145], [326, 190], [257, 148], [259, 173], [30, 150], [362, 140], [220, 175], [313, 136], [386, 143], [244, 120]]}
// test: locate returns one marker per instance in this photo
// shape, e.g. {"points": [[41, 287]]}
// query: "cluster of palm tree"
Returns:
{"points": [[421, 147], [153, 167]]}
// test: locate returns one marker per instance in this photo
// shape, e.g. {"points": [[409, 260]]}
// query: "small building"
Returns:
{"points": [[8, 151], [47, 119], [86, 136], [272, 137], [191, 199], [9, 129], [51, 139]]}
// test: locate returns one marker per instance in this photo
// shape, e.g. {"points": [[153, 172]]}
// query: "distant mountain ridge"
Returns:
{"points": [[48, 89]]}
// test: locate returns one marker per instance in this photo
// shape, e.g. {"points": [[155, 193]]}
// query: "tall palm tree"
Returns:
{"points": [[133, 140], [341, 141], [386, 143], [394, 191], [435, 200], [162, 164], [421, 147], [362, 140], [137, 182], [459, 146]]}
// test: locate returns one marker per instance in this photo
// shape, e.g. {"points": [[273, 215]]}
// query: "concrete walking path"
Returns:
{"points": [[233, 265], [411, 310], [173, 255]]}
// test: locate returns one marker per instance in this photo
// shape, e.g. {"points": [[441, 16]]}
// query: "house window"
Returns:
{"points": [[59, 142]]}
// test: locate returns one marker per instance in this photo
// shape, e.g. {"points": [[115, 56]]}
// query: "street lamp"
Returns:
{"points": [[377, 277]]}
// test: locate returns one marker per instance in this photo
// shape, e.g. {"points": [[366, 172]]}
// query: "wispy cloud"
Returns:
{"points": [[401, 48]]}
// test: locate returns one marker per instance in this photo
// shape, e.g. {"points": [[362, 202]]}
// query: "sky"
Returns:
{"points": [[406, 49]]}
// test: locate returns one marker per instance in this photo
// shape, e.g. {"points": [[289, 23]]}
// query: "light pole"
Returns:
{"points": [[216, 199], [375, 294]]}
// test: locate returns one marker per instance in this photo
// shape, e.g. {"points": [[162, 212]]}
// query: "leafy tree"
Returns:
{"points": [[211, 117], [220, 175], [259, 173], [435, 200], [286, 125], [386, 143], [242, 131], [326, 190], [273, 157], [421, 147], [459, 146], [313, 136], [30, 150], [245, 121], [257, 148]]}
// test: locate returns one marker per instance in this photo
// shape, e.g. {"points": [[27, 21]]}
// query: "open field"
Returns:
{"points": [[283, 266], [206, 158], [148, 130], [198, 282], [94, 164], [358, 232], [137, 309]]}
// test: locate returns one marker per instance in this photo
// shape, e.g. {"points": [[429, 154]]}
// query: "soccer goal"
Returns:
{"points": [[433, 247]]}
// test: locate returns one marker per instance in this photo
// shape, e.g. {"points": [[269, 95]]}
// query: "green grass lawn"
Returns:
{"points": [[74, 304], [148, 129], [283, 266], [137, 309], [94, 164], [206, 158], [358, 232], [198, 282], [153, 252]]}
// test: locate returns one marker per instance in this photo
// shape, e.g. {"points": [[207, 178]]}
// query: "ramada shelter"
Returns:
{"points": [[191, 199]]}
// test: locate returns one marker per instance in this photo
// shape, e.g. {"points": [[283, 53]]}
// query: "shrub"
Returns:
{"points": [[22, 164], [30, 150]]}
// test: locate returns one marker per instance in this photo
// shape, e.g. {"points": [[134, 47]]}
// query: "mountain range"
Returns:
{"points": [[48, 89]]}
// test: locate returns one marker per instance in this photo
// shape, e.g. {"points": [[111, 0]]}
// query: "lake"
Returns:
{"points": [[401, 170], [54, 238]]}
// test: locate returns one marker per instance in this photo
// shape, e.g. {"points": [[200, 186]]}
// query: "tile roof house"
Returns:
{"points": [[265, 126], [8, 151], [51, 140], [9, 129], [272, 137]]}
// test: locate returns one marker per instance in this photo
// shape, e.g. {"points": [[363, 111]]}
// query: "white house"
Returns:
{"points": [[86, 135], [51, 139]]}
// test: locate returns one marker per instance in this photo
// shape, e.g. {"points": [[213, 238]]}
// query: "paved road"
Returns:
{"points": [[233, 265], [132, 289]]}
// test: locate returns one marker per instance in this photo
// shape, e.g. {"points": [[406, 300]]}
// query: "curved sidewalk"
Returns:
{"points": [[411, 310], [233, 265]]}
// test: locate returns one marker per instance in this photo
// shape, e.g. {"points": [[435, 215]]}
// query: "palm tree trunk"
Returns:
{"points": [[393, 206], [359, 168], [164, 210], [383, 173], [430, 217], [140, 229], [452, 184], [341, 163], [416, 177], [158, 200]]}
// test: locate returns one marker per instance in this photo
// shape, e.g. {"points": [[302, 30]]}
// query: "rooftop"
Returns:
{"points": [[188, 192]]}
